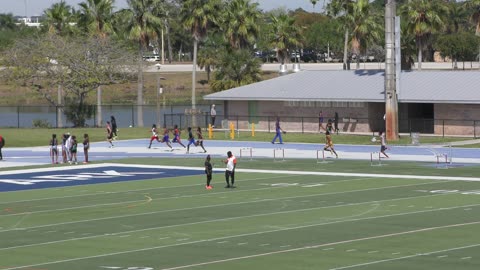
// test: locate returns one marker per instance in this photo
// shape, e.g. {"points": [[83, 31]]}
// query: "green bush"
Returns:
{"points": [[41, 123]]}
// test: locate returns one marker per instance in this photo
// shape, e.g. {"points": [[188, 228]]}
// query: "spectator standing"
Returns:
{"points": [[208, 172], [73, 150], [213, 115], [335, 122], [320, 121], [230, 170], [54, 149], [86, 147]]}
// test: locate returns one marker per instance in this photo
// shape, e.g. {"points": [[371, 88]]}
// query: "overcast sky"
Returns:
{"points": [[36, 7]]}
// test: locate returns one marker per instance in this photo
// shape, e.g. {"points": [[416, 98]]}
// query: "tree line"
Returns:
{"points": [[228, 38]]}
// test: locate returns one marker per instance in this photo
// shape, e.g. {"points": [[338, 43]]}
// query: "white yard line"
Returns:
{"points": [[269, 231], [410, 256], [208, 206], [267, 253]]}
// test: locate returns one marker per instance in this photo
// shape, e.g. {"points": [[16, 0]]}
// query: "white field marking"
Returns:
{"points": [[69, 232], [163, 238], [326, 249], [143, 237], [123, 236], [335, 243], [466, 258], [209, 206], [285, 246], [20, 221], [442, 256], [163, 198], [373, 251], [406, 257], [51, 232], [467, 209], [264, 245], [351, 250], [241, 244], [134, 190], [183, 239], [312, 185], [411, 206], [227, 219], [392, 205], [222, 242], [396, 253]]}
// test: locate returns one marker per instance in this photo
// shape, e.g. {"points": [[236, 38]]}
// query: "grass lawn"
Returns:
{"points": [[39, 137], [302, 219]]}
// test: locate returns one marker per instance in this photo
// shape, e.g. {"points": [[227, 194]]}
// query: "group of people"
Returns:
{"points": [[231, 163], [69, 148], [176, 138]]}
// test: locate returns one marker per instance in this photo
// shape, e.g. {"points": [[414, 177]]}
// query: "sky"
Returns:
{"points": [[36, 7]]}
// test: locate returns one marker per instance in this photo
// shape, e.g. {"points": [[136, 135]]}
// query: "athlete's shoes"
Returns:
{"points": [[208, 187], [232, 186], [227, 186]]}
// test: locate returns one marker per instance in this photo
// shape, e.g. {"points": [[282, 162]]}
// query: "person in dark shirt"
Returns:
{"points": [[191, 139], [2, 144], [113, 121], [200, 139], [208, 172]]}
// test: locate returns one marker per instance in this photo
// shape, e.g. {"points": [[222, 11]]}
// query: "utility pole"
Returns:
{"points": [[391, 98]]}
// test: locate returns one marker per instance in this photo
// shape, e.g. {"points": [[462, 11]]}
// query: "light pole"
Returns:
{"points": [[159, 91]]}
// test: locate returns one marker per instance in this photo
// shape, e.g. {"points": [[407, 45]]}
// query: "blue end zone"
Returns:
{"points": [[19, 180]]}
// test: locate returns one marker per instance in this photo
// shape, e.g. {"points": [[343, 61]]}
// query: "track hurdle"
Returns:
{"points": [[279, 154], [375, 159], [321, 156], [246, 152]]}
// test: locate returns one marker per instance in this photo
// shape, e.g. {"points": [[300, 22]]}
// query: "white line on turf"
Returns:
{"points": [[209, 206], [406, 257], [337, 243], [233, 218], [279, 251], [96, 193]]}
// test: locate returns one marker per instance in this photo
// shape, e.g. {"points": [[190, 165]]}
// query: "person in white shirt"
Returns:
{"points": [[68, 147], [213, 114], [383, 142], [230, 161]]}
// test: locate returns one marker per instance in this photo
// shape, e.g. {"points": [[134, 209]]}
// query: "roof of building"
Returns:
{"points": [[361, 86]]}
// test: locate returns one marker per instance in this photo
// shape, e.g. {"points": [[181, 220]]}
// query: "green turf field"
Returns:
{"points": [[273, 220]]}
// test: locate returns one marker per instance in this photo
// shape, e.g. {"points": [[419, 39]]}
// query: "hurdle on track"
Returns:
{"points": [[375, 159], [321, 156], [279, 154], [442, 159], [246, 152]]}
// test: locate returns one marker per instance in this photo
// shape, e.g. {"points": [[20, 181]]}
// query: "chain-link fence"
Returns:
{"points": [[184, 116]]}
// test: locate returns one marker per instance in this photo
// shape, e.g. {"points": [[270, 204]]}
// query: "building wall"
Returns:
{"points": [[457, 119], [303, 116]]}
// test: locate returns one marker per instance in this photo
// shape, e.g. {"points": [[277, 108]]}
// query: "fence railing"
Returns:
{"points": [[126, 115]]}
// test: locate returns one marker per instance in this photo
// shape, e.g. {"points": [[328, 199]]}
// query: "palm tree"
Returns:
{"points": [[341, 9], [364, 25], [197, 16], [7, 22], [208, 54], [240, 23], [142, 27], [314, 2], [475, 17], [424, 18], [96, 15], [58, 18], [285, 35], [236, 68]]}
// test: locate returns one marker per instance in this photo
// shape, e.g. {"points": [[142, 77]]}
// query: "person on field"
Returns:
{"points": [[208, 172], [213, 115], [200, 139], [383, 143], [86, 147], [328, 138], [109, 131], [278, 132], [113, 121], [230, 171], [54, 149]]}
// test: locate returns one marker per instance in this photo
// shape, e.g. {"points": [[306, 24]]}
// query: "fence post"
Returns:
{"points": [[56, 116], [268, 121], [302, 126], [133, 116], [443, 128], [18, 116], [474, 129], [237, 123]]}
